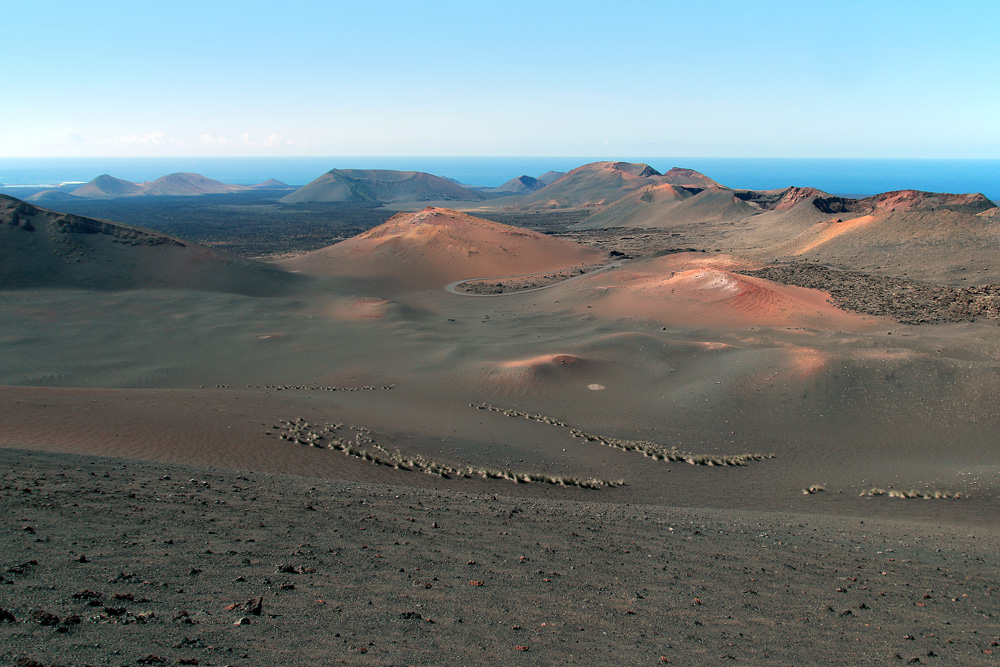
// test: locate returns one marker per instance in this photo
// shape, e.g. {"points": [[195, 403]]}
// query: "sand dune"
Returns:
{"points": [[361, 308], [538, 372], [436, 246]]}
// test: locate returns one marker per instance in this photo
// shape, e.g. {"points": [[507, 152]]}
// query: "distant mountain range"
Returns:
{"points": [[174, 185], [792, 221]]}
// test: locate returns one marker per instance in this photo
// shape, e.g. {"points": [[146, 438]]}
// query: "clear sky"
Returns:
{"points": [[878, 78]]}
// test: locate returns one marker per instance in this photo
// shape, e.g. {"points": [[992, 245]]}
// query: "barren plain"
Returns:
{"points": [[662, 442]]}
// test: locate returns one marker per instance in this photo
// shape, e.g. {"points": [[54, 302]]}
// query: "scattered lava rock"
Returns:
{"points": [[23, 568], [907, 301], [88, 595], [43, 617], [252, 606], [293, 569]]}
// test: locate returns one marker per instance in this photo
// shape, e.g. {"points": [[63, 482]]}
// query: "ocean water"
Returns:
{"points": [[844, 176]]}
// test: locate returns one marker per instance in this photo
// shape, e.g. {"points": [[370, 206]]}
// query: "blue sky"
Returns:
{"points": [[728, 79]]}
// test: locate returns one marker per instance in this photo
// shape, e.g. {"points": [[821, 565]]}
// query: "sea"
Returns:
{"points": [[840, 176]]}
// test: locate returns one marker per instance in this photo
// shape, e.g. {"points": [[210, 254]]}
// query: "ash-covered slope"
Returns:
{"points": [[664, 206], [383, 186], [436, 246], [44, 249], [938, 237]]}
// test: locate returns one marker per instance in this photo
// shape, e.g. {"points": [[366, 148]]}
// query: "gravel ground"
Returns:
{"points": [[117, 562]]}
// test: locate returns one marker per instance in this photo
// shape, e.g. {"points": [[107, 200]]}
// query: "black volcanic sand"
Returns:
{"points": [[192, 377], [113, 562], [751, 568]]}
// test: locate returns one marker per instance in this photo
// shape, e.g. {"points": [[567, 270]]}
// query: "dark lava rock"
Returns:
{"points": [[43, 617], [906, 301], [253, 606]]}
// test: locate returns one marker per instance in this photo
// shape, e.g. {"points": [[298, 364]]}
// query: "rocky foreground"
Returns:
{"points": [[114, 562]]}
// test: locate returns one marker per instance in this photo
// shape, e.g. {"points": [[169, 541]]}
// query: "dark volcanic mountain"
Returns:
{"points": [[51, 196], [44, 249], [181, 184], [108, 186], [551, 177], [517, 186], [186, 184], [600, 183], [688, 178], [382, 186], [272, 184]]}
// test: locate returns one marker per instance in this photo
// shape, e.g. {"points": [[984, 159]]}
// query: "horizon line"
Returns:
{"points": [[539, 157]]}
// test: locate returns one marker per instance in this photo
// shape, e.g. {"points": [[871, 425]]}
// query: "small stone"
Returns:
{"points": [[87, 594], [181, 615], [254, 606], [43, 617]]}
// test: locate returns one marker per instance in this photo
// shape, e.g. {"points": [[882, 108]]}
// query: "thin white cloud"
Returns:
{"points": [[154, 138], [210, 140]]}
